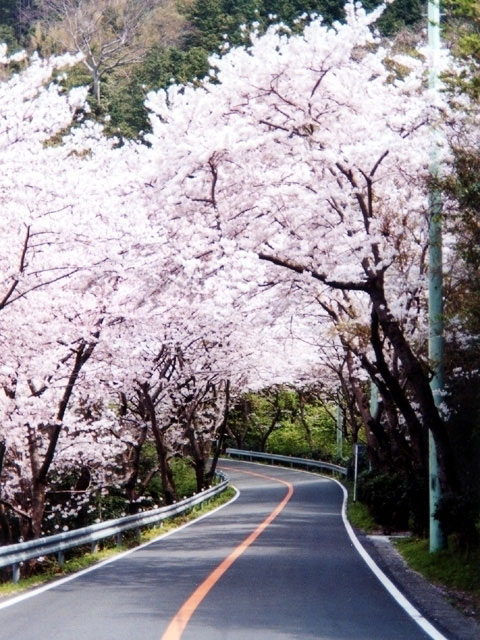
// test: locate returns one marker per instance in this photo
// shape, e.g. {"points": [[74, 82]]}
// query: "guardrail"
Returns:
{"points": [[290, 460], [12, 555]]}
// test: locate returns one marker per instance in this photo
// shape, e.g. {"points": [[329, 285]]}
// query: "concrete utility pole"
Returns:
{"points": [[435, 293]]}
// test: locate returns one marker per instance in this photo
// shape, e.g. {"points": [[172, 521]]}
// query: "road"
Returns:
{"points": [[290, 571]]}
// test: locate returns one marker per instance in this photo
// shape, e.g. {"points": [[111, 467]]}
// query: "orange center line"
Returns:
{"points": [[182, 617]]}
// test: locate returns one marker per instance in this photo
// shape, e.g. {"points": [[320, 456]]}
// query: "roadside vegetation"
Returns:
{"points": [[359, 514], [450, 568], [455, 572], [288, 421], [149, 433]]}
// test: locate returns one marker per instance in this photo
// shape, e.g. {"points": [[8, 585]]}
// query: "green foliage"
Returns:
{"points": [[10, 28], [61, 512], [213, 20], [123, 99], [462, 360], [211, 23], [109, 505], [465, 189], [291, 439], [458, 515], [359, 516], [398, 15], [7, 35], [395, 501], [462, 27], [386, 497], [113, 504], [184, 477], [282, 421], [148, 462], [462, 353], [288, 10]]}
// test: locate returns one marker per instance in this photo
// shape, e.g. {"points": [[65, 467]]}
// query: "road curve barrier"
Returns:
{"points": [[287, 460], [13, 554]]}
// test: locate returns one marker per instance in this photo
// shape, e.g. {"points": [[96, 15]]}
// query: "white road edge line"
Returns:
{"points": [[56, 583], [406, 605], [396, 594]]}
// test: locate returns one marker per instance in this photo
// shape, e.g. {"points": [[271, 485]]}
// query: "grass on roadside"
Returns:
{"points": [[53, 571], [359, 517], [452, 568], [358, 513]]}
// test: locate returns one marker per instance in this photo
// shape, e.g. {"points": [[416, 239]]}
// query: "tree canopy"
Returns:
{"points": [[273, 231]]}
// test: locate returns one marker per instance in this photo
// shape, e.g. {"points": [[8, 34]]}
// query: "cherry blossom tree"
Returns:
{"points": [[112, 331], [310, 153], [31, 114], [183, 362], [56, 256], [274, 232]]}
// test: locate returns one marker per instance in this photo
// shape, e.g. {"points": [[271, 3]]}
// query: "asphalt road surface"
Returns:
{"points": [[275, 564]]}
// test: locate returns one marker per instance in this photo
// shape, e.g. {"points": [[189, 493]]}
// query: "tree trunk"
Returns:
{"points": [[38, 508], [397, 396], [221, 434], [273, 423], [132, 462], [196, 449], [418, 383], [168, 484], [5, 527], [96, 85]]}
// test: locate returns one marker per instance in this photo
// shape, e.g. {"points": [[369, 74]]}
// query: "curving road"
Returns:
{"points": [[275, 564]]}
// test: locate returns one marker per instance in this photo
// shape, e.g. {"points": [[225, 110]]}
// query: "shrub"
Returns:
{"points": [[386, 496], [457, 514], [396, 500]]}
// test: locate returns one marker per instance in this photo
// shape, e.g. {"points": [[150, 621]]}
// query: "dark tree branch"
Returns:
{"points": [[297, 268]]}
